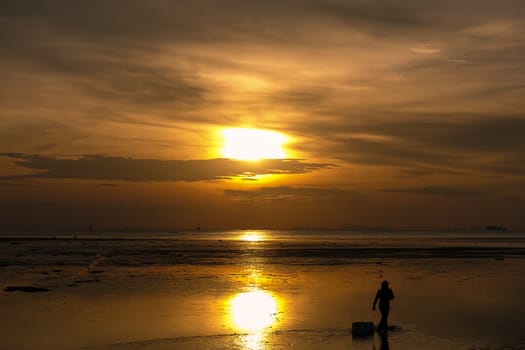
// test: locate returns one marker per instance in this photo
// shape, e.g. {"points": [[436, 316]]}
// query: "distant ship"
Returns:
{"points": [[495, 228]]}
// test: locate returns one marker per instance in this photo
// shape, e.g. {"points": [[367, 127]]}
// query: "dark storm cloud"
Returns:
{"points": [[101, 53], [104, 48], [491, 144], [102, 29], [9, 184], [289, 192], [68, 31], [416, 18], [108, 185], [209, 20], [14, 184], [111, 75], [499, 134], [438, 191], [98, 167]]}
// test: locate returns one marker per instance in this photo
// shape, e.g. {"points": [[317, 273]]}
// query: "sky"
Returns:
{"points": [[400, 114]]}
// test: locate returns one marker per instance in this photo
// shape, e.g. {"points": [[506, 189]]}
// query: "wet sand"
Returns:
{"points": [[180, 294]]}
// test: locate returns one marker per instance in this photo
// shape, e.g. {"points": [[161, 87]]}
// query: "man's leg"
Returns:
{"points": [[383, 324]]}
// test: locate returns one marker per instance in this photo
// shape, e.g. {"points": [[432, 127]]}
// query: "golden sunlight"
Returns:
{"points": [[253, 144], [252, 237], [253, 311]]}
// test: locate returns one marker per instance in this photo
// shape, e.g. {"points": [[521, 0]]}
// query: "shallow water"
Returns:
{"points": [[178, 291]]}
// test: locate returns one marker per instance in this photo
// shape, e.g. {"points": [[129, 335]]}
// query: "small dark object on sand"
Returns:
{"points": [[87, 281], [25, 289], [362, 329], [495, 228]]}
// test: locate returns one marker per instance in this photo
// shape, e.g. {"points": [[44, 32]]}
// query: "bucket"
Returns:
{"points": [[362, 328]]}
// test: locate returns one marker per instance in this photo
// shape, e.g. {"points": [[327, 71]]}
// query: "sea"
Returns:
{"points": [[260, 289]]}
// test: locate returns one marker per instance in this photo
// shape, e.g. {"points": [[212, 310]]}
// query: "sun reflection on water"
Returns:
{"points": [[252, 236], [253, 312]]}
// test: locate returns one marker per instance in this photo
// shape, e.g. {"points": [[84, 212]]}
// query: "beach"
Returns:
{"points": [[260, 290]]}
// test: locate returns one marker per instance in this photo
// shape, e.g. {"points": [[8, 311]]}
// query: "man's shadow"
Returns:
{"points": [[384, 341]]}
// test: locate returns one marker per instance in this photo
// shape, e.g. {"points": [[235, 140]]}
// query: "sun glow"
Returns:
{"points": [[253, 144], [252, 237], [253, 311]]}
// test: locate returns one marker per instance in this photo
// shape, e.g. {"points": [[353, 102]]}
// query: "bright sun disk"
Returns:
{"points": [[253, 144]]}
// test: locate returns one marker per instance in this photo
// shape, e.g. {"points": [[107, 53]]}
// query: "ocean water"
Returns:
{"points": [[233, 247], [260, 289]]}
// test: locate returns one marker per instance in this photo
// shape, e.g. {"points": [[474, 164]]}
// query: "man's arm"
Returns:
{"points": [[375, 301]]}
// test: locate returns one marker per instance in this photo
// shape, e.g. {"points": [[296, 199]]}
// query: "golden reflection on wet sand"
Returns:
{"points": [[163, 303], [253, 312]]}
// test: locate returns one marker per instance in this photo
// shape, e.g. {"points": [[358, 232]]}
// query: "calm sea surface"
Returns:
{"points": [[272, 247]]}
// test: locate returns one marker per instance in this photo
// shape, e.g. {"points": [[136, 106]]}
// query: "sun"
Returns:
{"points": [[253, 144]]}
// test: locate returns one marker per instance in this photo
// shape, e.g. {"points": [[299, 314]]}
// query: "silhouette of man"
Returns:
{"points": [[384, 341], [384, 295]]}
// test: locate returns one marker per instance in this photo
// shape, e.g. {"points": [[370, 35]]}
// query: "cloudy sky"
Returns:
{"points": [[406, 114]]}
